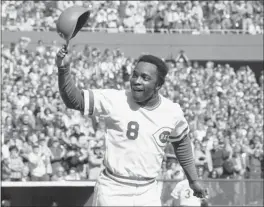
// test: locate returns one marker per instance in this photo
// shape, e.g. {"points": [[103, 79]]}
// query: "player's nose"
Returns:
{"points": [[138, 81]]}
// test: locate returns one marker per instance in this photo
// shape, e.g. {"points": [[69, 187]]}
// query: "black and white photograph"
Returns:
{"points": [[132, 103]]}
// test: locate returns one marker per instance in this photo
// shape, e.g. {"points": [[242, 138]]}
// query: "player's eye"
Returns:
{"points": [[146, 78]]}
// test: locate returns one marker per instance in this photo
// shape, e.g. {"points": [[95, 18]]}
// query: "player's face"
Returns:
{"points": [[143, 82]]}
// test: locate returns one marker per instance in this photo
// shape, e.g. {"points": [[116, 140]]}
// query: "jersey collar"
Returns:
{"points": [[150, 108]]}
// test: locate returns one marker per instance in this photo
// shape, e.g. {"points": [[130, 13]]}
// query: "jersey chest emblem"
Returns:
{"points": [[162, 135]]}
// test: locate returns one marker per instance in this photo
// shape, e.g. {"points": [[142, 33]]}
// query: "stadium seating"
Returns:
{"points": [[196, 17]]}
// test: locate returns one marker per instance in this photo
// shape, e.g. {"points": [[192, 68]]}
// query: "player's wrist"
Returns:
{"points": [[63, 68], [191, 182]]}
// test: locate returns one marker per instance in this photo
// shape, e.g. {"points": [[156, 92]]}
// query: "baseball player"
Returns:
{"points": [[139, 123], [183, 196]]}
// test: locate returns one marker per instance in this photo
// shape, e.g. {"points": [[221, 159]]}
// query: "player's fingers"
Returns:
{"points": [[199, 195], [61, 53], [206, 197], [205, 194], [65, 48]]}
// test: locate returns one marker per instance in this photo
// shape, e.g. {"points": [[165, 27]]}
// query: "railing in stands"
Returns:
{"points": [[148, 30]]}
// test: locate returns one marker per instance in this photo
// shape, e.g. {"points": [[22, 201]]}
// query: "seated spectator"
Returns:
{"points": [[46, 117], [255, 167], [73, 175], [15, 164], [239, 162], [175, 171], [37, 165], [76, 131], [44, 149], [5, 148], [25, 173], [73, 155], [254, 163], [84, 171], [95, 162], [202, 173], [59, 174], [202, 157], [228, 170], [5, 170], [57, 154], [218, 155], [9, 124]]}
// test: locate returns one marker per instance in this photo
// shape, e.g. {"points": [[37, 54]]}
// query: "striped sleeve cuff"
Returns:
{"points": [[179, 132], [180, 137], [88, 102]]}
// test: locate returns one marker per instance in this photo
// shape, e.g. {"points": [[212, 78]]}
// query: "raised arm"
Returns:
{"points": [[72, 96]]}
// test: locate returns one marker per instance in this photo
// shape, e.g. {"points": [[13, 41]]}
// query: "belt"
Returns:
{"points": [[132, 180]]}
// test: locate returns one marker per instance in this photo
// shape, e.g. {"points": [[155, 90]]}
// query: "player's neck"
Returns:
{"points": [[151, 103]]}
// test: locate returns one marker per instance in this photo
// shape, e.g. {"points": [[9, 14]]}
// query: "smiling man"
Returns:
{"points": [[139, 122]]}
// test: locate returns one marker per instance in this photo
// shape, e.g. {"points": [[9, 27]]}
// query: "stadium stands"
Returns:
{"points": [[196, 17]]}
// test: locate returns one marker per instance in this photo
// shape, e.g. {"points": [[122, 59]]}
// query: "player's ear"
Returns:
{"points": [[158, 86], [159, 83]]}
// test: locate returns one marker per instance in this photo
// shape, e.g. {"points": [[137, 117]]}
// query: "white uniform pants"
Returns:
{"points": [[109, 192]]}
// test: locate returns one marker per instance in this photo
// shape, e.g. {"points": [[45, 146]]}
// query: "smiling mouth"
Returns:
{"points": [[137, 90]]}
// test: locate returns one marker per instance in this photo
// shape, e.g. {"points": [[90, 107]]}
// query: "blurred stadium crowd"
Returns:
{"points": [[141, 16], [42, 140]]}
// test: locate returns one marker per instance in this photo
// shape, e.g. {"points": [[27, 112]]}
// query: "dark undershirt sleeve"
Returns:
{"points": [[72, 96], [183, 152]]}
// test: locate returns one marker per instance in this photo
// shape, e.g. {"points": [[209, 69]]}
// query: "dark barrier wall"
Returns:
{"points": [[45, 196], [222, 192], [197, 47]]}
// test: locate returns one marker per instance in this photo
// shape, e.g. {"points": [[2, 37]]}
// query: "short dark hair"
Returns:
{"points": [[11, 148], [160, 64], [35, 146]]}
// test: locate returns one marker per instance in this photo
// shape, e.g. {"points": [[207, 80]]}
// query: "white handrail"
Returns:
{"points": [[152, 30], [48, 184]]}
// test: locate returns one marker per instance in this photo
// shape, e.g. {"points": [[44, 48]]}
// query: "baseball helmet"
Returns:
{"points": [[71, 21]]}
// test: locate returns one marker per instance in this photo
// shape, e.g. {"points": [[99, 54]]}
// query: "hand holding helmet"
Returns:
{"points": [[68, 25]]}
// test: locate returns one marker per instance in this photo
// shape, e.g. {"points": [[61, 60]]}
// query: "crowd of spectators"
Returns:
{"points": [[199, 17], [43, 140]]}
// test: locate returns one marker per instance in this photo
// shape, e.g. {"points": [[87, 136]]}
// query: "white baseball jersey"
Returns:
{"points": [[184, 193], [135, 136]]}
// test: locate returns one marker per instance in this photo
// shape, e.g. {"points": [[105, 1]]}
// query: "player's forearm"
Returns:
{"points": [[183, 151], [70, 94]]}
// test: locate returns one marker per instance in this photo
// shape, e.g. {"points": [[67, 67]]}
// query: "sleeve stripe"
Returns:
{"points": [[185, 131], [91, 102], [181, 124]]}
